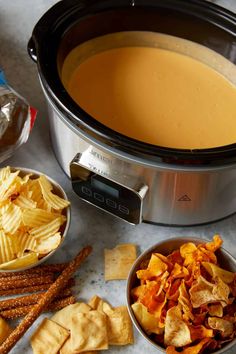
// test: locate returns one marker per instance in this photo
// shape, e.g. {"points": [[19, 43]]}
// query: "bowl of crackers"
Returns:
{"points": [[34, 217], [181, 296]]}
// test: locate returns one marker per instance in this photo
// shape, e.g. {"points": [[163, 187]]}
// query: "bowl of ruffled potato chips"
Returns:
{"points": [[181, 296], [34, 218]]}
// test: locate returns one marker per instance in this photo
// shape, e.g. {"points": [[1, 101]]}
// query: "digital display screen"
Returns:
{"points": [[103, 187]]}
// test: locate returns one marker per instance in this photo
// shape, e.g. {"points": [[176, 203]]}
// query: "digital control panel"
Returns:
{"points": [[110, 196]]}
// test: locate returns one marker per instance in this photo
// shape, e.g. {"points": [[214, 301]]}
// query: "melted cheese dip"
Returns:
{"points": [[154, 94]]}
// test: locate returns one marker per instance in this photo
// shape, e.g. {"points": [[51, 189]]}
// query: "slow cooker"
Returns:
{"points": [[130, 179]]}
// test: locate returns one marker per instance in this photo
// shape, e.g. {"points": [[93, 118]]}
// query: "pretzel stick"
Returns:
{"points": [[24, 276], [20, 283], [44, 301], [39, 270], [28, 300], [23, 310], [31, 289]]}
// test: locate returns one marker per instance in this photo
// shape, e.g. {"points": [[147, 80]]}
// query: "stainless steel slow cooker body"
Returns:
{"points": [[127, 178]]}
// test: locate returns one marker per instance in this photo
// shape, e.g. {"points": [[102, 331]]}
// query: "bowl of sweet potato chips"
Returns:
{"points": [[34, 218], [181, 296]]}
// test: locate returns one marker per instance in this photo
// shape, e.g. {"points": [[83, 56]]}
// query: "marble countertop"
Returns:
{"points": [[89, 225]]}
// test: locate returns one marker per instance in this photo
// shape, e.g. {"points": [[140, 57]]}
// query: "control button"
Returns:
{"points": [[86, 191], [111, 203], [123, 209], [98, 197]]}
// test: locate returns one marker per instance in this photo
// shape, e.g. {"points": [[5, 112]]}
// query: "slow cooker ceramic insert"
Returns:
{"points": [[129, 178]]}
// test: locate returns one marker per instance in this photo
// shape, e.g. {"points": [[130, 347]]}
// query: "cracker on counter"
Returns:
{"points": [[63, 316], [88, 333], [48, 337], [5, 330], [96, 303], [93, 326], [119, 260], [119, 326]]}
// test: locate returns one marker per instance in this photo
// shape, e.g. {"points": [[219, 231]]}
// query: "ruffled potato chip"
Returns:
{"points": [[47, 230], [23, 242], [11, 219], [20, 262], [38, 217], [25, 202], [4, 174], [7, 250], [52, 199], [6, 184], [48, 244], [27, 222]]}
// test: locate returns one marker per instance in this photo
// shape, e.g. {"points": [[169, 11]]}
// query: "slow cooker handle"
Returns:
{"points": [[32, 50], [44, 26]]}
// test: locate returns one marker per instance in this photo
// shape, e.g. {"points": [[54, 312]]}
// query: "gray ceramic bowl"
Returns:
{"points": [[57, 189], [227, 261]]}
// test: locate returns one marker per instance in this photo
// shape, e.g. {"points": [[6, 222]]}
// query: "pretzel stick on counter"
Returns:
{"points": [[27, 300], [39, 270], [44, 301], [22, 277], [22, 311], [20, 283], [31, 289]]}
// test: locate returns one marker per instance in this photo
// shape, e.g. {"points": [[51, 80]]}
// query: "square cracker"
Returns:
{"points": [[88, 333], [48, 337], [119, 260], [120, 329], [63, 316], [119, 325]]}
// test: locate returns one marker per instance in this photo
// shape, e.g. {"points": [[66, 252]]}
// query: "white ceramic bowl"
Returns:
{"points": [[57, 189], [226, 260]]}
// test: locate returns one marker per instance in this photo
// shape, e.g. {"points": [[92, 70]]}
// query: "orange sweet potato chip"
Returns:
{"points": [[203, 292], [193, 349], [216, 271], [185, 300], [156, 267], [174, 324], [200, 332], [215, 244], [225, 327]]}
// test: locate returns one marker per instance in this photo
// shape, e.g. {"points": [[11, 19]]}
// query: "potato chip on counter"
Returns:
{"points": [[185, 301], [32, 218]]}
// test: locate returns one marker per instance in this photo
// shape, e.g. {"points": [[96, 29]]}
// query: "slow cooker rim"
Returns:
{"points": [[218, 155]]}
